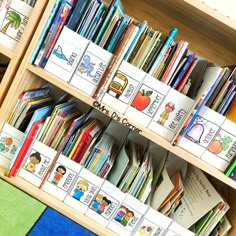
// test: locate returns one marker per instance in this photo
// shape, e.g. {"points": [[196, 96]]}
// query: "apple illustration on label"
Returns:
{"points": [[142, 100]]}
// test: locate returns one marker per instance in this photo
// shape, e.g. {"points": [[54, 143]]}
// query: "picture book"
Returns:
{"points": [[9, 141], [202, 132], [128, 216], [84, 190], [61, 177], [123, 87], [106, 202], [153, 223], [119, 54], [91, 68], [66, 54], [36, 163], [221, 150], [147, 100], [20, 12], [205, 199], [171, 114]]}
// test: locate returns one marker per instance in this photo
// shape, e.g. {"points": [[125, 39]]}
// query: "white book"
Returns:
{"points": [[178, 230], [202, 131], [10, 34], [222, 148], [61, 177], [171, 114], [153, 223], [147, 100], [10, 138], [66, 54], [91, 68], [44, 156], [105, 203], [84, 189], [128, 216], [123, 87]]}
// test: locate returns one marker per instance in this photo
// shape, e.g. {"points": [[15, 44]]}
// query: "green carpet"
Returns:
{"points": [[18, 211]]}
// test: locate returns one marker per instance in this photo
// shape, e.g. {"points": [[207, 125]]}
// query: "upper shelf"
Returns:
{"points": [[209, 33], [144, 131]]}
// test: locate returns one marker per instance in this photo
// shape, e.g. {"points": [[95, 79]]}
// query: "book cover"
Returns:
{"points": [[66, 54], [36, 163], [202, 132], [147, 100], [153, 223], [170, 115], [84, 190], [16, 19], [105, 203], [222, 148], [9, 141], [127, 217], [91, 68], [61, 177], [123, 87]]}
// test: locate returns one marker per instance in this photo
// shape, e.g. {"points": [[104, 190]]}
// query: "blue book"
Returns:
{"points": [[223, 107], [45, 31]]}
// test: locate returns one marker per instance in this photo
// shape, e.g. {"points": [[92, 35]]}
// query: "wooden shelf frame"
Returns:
{"points": [[17, 55], [28, 77]]}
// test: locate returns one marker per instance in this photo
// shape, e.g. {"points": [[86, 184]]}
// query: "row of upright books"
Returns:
{"points": [[14, 16], [106, 171], [143, 74]]}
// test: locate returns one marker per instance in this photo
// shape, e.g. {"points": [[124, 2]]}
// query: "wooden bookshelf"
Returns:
{"points": [[17, 55], [162, 15]]}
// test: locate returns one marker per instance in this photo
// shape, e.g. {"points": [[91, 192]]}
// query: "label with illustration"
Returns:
{"points": [[61, 177], [14, 23], [37, 163], [84, 190], [9, 141]]}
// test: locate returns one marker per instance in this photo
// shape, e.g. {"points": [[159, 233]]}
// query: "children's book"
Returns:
{"points": [[84, 191], [61, 177]]}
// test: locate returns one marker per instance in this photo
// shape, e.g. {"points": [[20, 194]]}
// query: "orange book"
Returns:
{"points": [[231, 113]]}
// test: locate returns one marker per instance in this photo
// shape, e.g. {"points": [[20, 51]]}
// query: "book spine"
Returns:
{"points": [[45, 31], [61, 23], [117, 59]]}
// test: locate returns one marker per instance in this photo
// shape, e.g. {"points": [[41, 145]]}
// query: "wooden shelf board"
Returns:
{"points": [[6, 51], [56, 204], [145, 132]]}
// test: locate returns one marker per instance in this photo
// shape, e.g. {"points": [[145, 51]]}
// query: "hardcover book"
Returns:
{"points": [[61, 177], [66, 54], [123, 87], [84, 190], [91, 68], [147, 100]]}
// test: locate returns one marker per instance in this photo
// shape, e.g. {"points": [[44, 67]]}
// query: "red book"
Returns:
{"points": [[25, 147]]}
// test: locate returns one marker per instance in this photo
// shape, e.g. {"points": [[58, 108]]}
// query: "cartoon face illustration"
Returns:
{"points": [[104, 203], [145, 230], [97, 202], [35, 159], [121, 213], [59, 53], [86, 66], [129, 215], [169, 107], [142, 100], [82, 187], [60, 171]]}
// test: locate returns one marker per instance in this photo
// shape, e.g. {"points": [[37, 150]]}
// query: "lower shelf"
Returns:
{"points": [[57, 205]]}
